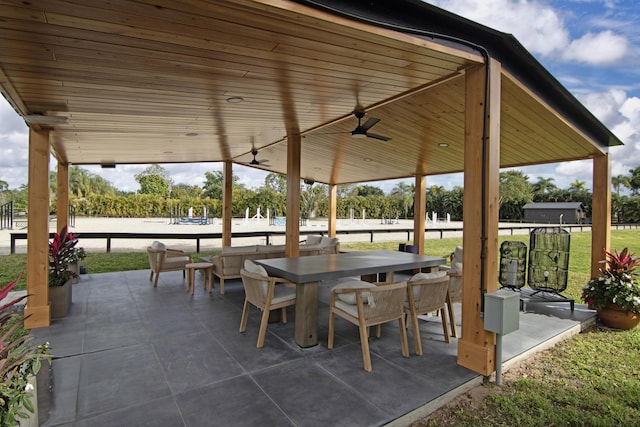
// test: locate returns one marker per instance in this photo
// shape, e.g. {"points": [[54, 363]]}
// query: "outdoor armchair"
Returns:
{"points": [[455, 286], [162, 258], [367, 306], [266, 293], [426, 292]]}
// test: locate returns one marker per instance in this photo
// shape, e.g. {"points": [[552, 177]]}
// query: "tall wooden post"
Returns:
{"points": [[476, 348], [292, 231], [227, 202], [37, 313], [62, 196], [419, 212], [333, 208], [601, 211]]}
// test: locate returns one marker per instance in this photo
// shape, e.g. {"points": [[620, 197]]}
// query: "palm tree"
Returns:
{"points": [[620, 180], [577, 186], [404, 192], [544, 185]]}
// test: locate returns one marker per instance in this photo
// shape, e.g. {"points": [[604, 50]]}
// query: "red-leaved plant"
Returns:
{"points": [[617, 285], [61, 251], [19, 359]]}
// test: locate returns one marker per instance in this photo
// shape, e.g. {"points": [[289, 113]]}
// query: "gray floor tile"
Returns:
{"points": [[311, 396], [235, 402], [157, 413], [194, 360], [112, 379]]}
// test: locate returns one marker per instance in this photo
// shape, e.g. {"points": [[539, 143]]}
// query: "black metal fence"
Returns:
{"points": [[269, 235]]}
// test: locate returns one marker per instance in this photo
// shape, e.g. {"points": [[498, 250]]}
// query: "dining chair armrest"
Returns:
{"points": [[349, 290], [178, 251], [277, 280]]}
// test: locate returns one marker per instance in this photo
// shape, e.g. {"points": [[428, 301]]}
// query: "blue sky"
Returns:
{"points": [[591, 46]]}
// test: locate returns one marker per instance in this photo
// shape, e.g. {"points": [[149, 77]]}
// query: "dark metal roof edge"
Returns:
{"points": [[504, 47]]}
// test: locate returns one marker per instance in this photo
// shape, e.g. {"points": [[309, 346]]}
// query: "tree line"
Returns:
{"points": [[159, 196]]}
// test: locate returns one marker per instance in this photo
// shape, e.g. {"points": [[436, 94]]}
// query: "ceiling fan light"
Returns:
{"points": [[358, 135]]}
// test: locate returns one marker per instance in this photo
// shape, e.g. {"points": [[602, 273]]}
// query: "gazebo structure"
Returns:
{"points": [[161, 81]]}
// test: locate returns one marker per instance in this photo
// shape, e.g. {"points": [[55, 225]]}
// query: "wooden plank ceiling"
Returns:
{"points": [[152, 81]]}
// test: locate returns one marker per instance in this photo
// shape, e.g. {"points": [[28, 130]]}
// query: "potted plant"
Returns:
{"points": [[20, 361], [616, 293], [61, 251], [77, 255]]}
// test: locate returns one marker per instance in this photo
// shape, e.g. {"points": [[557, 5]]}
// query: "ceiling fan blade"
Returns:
{"points": [[380, 137], [370, 123]]}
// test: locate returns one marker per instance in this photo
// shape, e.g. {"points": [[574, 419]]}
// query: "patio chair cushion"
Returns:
{"points": [[350, 298], [254, 268], [425, 276], [313, 239], [175, 262], [328, 241], [158, 246], [238, 249], [456, 260]]}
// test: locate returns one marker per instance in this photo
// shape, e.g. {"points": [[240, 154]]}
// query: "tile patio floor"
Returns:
{"points": [[131, 355]]}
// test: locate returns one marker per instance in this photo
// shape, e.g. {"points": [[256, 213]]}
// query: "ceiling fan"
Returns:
{"points": [[362, 130], [256, 162]]}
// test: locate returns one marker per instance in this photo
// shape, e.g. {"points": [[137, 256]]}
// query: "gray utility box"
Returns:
{"points": [[502, 311]]}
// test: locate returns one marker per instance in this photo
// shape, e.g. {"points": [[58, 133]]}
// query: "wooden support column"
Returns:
{"points": [[333, 208], [37, 313], [601, 211], [62, 196], [419, 212], [294, 147], [476, 348], [227, 202]]}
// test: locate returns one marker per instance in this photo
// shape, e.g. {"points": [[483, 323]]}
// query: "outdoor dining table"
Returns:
{"points": [[307, 271]]}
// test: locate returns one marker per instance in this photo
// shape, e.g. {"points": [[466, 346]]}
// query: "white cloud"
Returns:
{"points": [[597, 48], [541, 29], [606, 105], [544, 32]]}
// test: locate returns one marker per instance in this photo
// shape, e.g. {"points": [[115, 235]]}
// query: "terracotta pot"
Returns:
{"points": [[614, 317], [60, 299]]}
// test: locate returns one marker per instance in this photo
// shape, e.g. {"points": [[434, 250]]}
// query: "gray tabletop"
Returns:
{"points": [[333, 266]]}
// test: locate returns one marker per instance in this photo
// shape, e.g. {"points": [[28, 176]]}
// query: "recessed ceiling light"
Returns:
{"points": [[235, 99], [368, 160], [191, 134], [443, 145]]}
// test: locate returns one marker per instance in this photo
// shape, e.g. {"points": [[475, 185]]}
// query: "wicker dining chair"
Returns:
{"points": [[369, 306], [162, 258], [266, 293], [426, 293], [455, 287]]}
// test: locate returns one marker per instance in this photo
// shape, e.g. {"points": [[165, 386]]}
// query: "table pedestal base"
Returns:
{"points": [[306, 327]]}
